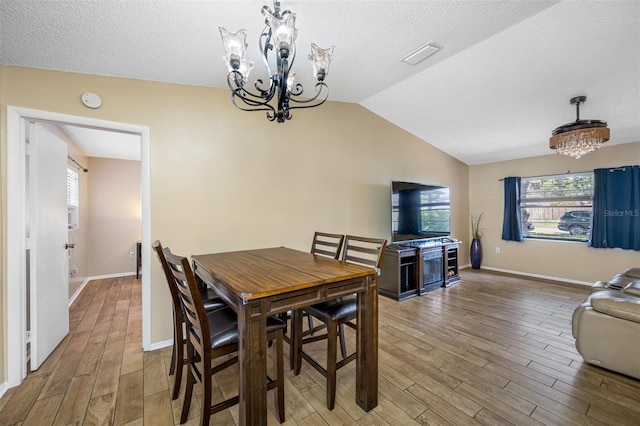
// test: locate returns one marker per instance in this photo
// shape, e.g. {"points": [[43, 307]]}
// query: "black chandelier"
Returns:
{"points": [[279, 33]]}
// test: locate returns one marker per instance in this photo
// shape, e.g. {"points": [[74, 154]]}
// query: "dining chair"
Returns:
{"points": [[210, 301], [211, 335], [329, 245], [323, 244], [339, 312]]}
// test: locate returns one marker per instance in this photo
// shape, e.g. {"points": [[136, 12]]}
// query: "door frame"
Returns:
{"points": [[16, 236]]}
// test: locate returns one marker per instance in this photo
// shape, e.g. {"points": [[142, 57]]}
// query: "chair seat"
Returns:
{"points": [[214, 304], [223, 325], [342, 309], [211, 301]]}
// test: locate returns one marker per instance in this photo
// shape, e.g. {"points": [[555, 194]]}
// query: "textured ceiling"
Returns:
{"points": [[499, 85], [501, 98]]}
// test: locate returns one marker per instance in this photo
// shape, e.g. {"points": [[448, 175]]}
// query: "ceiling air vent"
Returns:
{"points": [[421, 54]]}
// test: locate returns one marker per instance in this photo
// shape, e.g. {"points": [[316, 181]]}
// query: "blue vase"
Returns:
{"points": [[476, 253]]}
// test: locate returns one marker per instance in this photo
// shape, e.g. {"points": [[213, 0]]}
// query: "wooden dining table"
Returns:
{"points": [[264, 282]]}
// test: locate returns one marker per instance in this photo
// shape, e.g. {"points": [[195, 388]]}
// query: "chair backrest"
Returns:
{"points": [[157, 247], [328, 245], [197, 325], [364, 251]]}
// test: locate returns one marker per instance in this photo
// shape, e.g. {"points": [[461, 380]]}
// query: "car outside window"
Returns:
{"points": [[557, 207]]}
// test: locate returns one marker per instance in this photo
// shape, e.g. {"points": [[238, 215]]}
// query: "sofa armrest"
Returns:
{"points": [[632, 272], [603, 285], [617, 305], [621, 281], [633, 289], [577, 314]]}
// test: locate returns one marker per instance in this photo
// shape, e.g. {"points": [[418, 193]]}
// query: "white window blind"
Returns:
{"points": [[72, 188]]}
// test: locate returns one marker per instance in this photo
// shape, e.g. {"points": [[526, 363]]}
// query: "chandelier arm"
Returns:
{"points": [[284, 12], [268, 9], [236, 85], [283, 95], [292, 55], [250, 101], [254, 102], [309, 103], [265, 45], [267, 95], [271, 112], [296, 90]]}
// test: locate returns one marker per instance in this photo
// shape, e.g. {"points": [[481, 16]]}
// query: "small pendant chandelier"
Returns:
{"points": [[279, 34], [580, 137]]}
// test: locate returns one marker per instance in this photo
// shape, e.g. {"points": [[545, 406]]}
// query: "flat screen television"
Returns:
{"points": [[419, 211]]}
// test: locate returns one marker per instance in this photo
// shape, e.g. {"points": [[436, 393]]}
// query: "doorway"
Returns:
{"points": [[17, 118]]}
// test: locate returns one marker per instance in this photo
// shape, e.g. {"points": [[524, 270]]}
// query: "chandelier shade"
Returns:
{"points": [[320, 60], [581, 136], [278, 37]]}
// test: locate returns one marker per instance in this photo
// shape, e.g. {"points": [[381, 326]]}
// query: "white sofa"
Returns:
{"points": [[606, 325]]}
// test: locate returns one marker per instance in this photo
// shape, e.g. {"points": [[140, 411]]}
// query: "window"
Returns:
{"points": [[557, 207], [72, 199], [72, 188]]}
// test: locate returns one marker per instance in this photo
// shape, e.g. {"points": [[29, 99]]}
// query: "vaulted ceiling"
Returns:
{"points": [[497, 88]]}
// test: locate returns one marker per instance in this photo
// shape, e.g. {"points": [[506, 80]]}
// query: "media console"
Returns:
{"points": [[413, 268]]}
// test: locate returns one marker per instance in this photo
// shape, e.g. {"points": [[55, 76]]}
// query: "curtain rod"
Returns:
{"points": [[554, 174], [84, 169], [612, 169]]}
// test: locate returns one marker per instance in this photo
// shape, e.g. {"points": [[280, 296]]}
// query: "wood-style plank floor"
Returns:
{"points": [[490, 350]]}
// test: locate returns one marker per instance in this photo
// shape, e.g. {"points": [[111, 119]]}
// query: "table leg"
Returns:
{"points": [[367, 346], [252, 360], [296, 341]]}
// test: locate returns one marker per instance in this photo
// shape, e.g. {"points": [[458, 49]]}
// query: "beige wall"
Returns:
{"points": [[115, 218], [555, 259], [223, 179]]}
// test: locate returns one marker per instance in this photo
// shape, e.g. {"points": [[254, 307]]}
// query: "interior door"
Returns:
{"points": [[48, 234]]}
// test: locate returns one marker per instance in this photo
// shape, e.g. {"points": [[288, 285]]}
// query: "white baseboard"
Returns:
{"points": [[78, 291], [119, 274], [96, 277], [160, 345], [4, 387], [544, 277]]}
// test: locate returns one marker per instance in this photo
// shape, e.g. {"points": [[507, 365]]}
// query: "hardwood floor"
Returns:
{"points": [[490, 350]]}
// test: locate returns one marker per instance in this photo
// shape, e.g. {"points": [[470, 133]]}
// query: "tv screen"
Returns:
{"points": [[419, 211]]}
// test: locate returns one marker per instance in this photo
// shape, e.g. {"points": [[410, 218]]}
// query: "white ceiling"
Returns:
{"points": [[105, 144], [501, 82]]}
